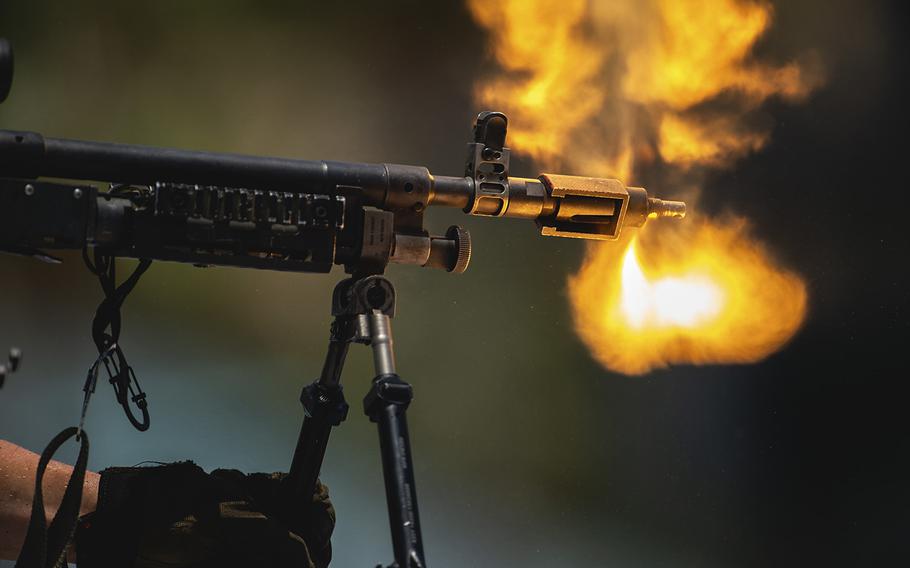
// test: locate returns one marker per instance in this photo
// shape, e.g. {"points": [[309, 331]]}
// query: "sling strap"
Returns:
{"points": [[45, 546]]}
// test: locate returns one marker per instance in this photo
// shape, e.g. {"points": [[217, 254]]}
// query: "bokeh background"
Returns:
{"points": [[527, 452]]}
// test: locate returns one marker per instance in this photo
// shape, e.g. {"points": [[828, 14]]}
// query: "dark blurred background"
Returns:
{"points": [[527, 452]]}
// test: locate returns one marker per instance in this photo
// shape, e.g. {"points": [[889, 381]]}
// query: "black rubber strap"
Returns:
{"points": [[45, 546], [107, 317], [108, 312]]}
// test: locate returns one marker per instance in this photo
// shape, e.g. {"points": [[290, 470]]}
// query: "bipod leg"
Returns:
{"points": [[386, 404], [325, 407]]}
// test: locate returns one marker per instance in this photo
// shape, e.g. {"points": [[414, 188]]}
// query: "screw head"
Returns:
{"points": [[29, 189], [15, 356], [77, 193]]}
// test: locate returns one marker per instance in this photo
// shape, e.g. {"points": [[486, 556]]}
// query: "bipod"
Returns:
{"points": [[363, 308]]}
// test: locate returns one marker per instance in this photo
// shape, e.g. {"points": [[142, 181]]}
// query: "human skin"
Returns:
{"points": [[17, 489]]}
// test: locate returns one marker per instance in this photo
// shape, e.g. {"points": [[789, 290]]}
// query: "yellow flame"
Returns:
{"points": [[695, 49], [611, 87], [588, 84], [686, 142], [553, 83], [706, 293], [670, 301]]}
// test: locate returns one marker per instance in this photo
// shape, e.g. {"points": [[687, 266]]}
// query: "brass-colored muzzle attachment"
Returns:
{"points": [[574, 206], [598, 208]]}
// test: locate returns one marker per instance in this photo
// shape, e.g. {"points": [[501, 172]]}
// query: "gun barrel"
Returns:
{"points": [[30, 155]]}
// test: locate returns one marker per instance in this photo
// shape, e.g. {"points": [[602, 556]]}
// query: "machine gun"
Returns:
{"points": [[281, 214]]}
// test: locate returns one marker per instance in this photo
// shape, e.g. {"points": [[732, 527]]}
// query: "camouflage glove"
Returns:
{"points": [[176, 515], [312, 520]]}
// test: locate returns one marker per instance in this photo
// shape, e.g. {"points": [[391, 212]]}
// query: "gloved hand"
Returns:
{"points": [[177, 515]]}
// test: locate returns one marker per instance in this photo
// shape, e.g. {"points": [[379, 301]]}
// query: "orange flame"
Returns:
{"points": [[609, 88], [704, 293]]}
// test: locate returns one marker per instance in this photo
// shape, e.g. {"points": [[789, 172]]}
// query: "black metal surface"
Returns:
{"points": [[386, 404], [37, 215], [303, 232], [389, 186], [359, 296], [215, 225], [325, 407], [488, 165], [6, 68], [490, 129]]}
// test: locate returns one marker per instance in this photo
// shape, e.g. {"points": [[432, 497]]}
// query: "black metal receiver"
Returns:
{"points": [[281, 214]]}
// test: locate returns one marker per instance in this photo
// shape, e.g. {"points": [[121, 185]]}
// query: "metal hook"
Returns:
{"points": [[91, 380]]}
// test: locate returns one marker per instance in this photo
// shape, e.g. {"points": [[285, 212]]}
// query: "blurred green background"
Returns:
{"points": [[527, 452]]}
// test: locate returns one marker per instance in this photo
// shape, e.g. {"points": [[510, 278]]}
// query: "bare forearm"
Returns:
{"points": [[17, 489]]}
